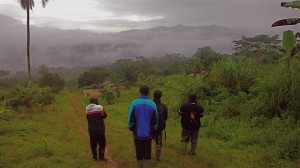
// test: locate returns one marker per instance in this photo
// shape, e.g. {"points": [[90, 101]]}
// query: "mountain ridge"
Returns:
{"points": [[60, 47]]}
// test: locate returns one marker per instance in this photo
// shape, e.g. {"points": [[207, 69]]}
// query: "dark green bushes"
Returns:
{"points": [[29, 95]]}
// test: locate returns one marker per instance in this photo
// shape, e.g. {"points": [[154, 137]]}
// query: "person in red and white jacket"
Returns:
{"points": [[95, 115]]}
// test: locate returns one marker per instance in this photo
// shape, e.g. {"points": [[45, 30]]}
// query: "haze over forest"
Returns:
{"points": [[63, 47]]}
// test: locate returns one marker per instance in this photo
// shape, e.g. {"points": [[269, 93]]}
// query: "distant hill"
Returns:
{"points": [[57, 47]]}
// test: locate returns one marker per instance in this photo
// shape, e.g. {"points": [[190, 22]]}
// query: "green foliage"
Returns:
{"points": [[7, 82], [44, 98], [93, 76], [24, 94], [4, 73], [53, 81], [43, 69], [234, 75], [204, 52], [289, 41], [29, 94], [232, 106], [44, 139], [252, 44], [202, 61], [277, 91], [108, 94], [293, 4], [127, 70], [289, 146]]}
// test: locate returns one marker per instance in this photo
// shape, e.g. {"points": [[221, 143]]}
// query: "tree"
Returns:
{"points": [[28, 5], [259, 46], [252, 44], [128, 70], [4, 73], [108, 94], [93, 76], [24, 94], [204, 52], [202, 60], [56, 84], [43, 69]]}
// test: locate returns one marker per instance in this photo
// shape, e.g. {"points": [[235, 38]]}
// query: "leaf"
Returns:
{"points": [[284, 22], [289, 41], [293, 4]]}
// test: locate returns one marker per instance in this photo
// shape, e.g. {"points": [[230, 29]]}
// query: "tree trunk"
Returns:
{"points": [[28, 46]]}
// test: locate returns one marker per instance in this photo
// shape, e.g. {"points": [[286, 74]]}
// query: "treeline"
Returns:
{"points": [[251, 97], [241, 73]]}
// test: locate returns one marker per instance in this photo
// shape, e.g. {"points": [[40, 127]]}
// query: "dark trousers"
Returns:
{"points": [[189, 135], [158, 137], [100, 140], [143, 149]]}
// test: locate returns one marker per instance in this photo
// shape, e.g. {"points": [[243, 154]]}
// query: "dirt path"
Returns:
{"points": [[79, 113]]}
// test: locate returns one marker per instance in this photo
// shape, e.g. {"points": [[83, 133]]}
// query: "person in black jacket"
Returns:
{"points": [[190, 112], [162, 118], [95, 115]]}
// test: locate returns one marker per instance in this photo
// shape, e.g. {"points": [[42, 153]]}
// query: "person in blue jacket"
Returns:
{"points": [[142, 120]]}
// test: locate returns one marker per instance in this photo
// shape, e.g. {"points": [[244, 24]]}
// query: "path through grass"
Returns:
{"points": [[46, 139]]}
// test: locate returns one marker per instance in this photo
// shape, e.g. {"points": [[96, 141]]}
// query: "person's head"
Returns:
{"points": [[94, 100], [157, 94], [144, 90], [192, 97]]}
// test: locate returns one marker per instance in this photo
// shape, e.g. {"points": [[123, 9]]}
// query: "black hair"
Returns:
{"points": [[144, 90], [94, 100], [157, 94], [192, 96]]}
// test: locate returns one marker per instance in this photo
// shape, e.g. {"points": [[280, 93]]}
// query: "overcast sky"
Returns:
{"points": [[120, 15]]}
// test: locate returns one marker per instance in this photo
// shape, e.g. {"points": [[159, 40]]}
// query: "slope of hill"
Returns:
{"points": [[57, 47]]}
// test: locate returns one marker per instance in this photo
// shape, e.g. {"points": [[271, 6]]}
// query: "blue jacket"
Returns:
{"points": [[142, 117]]}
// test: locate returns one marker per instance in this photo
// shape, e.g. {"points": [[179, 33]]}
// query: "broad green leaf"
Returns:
{"points": [[283, 22], [289, 40], [293, 4]]}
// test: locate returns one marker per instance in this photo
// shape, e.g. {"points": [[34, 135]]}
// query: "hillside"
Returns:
{"points": [[68, 48]]}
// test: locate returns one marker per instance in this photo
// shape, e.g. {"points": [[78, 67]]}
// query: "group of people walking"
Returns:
{"points": [[147, 121]]}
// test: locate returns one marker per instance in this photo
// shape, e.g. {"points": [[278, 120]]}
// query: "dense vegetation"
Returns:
{"points": [[251, 100]]}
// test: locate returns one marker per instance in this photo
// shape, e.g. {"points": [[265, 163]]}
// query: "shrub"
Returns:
{"points": [[56, 84], [233, 75], [277, 91]]}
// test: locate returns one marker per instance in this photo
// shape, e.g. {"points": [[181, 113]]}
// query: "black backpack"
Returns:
{"points": [[161, 117]]}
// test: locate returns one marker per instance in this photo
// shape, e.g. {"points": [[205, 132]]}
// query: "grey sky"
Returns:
{"points": [[119, 15]]}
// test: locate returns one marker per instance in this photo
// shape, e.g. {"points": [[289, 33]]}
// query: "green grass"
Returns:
{"points": [[58, 138], [48, 139], [222, 142]]}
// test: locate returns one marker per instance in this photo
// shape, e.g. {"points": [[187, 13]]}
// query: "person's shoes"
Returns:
{"points": [[95, 158], [192, 153], [103, 159]]}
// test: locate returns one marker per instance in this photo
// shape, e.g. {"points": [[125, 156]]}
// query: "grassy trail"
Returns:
{"points": [[78, 120], [56, 137], [120, 140]]}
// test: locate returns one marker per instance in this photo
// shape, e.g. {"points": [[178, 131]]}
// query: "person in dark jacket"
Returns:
{"points": [[190, 112], [162, 118], [142, 120], [95, 115]]}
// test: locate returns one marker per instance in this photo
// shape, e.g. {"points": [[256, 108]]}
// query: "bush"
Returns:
{"points": [[29, 94], [56, 84], [290, 146], [234, 75], [277, 91]]}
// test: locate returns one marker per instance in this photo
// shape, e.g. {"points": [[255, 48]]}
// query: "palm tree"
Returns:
{"points": [[28, 5]]}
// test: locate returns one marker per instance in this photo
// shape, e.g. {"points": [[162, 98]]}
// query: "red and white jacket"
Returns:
{"points": [[95, 115]]}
